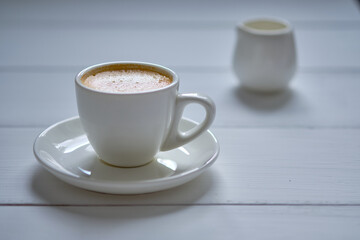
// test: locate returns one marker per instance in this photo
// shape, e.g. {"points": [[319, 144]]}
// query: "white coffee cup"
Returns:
{"points": [[129, 129], [265, 54]]}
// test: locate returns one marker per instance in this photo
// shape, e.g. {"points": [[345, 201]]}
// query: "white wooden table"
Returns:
{"points": [[289, 166]]}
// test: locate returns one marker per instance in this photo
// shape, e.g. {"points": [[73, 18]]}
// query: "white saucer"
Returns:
{"points": [[64, 150]]}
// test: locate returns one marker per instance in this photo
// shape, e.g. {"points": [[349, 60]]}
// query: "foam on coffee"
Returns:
{"points": [[126, 80]]}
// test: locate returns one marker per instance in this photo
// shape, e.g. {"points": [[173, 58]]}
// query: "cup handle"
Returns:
{"points": [[177, 138]]}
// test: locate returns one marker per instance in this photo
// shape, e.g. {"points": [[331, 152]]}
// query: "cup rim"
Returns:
{"points": [[175, 77], [288, 26]]}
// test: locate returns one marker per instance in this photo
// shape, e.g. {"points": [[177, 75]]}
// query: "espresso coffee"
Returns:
{"points": [[126, 81]]}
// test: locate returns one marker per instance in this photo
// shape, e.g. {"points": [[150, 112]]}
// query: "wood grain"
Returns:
{"points": [[255, 166], [26, 48], [315, 100], [178, 222], [162, 10]]}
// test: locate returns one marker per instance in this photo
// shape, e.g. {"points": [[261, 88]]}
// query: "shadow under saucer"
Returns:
{"points": [[55, 192]]}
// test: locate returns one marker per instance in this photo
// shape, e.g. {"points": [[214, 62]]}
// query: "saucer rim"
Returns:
{"points": [[174, 178]]}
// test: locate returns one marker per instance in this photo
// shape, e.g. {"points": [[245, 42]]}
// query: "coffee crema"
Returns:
{"points": [[126, 81]]}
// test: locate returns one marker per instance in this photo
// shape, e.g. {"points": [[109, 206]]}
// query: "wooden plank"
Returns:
{"points": [[179, 222], [315, 100], [179, 47], [255, 166], [177, 10]]}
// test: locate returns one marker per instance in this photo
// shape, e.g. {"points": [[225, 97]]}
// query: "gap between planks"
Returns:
{"points": [[240, 127], [185, 69], [182, 204], [317, 25]]}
